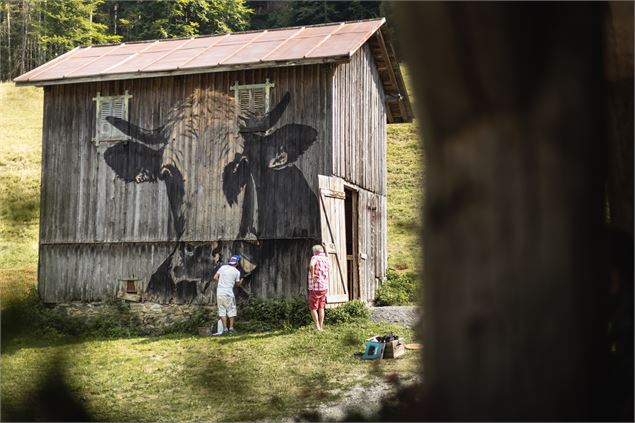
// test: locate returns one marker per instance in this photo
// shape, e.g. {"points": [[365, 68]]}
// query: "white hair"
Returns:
{"points": [[317, 248]]}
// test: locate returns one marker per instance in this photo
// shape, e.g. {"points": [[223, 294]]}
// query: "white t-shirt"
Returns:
{"points": [[228, 276]]}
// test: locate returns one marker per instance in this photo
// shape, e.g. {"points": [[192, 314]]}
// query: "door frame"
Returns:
{"points": [[353, 277]]}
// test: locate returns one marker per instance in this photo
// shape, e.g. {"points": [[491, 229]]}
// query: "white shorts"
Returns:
{"points": [[226, 306]]}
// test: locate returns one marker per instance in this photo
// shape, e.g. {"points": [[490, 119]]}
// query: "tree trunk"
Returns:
{"points": [[26, 14], [510, 97], [620, 122], [9, 61]]}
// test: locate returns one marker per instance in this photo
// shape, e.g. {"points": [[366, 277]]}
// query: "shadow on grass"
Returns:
{"points": [[51, 399]]}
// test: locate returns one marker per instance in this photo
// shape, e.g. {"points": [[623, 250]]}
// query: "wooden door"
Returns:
{"points": [[333, 231]]}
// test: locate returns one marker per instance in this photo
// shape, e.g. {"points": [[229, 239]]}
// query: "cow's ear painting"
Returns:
{"points": [[133, 162], [264, 167], [250, 122], [284, 146], [156, 136]]}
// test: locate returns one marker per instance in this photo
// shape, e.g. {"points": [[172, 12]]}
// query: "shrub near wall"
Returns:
{"points": [[106, 319], [294, 312], [399, 289]]}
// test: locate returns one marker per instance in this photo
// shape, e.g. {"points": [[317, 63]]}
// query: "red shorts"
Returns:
{"points": [[317, 299]]}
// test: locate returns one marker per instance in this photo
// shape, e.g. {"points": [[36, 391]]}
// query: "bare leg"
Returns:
{"points": [[314, 316], [321, 318], [224, 320], [231, 322]]}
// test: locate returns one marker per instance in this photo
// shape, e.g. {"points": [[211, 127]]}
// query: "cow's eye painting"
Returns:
{"points": [[262, 169]]}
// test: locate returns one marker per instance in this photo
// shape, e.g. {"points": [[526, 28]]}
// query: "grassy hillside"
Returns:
{"points": [[405, 172], [20, 157]]}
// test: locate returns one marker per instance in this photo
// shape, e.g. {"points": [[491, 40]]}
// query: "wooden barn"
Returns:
{"points": [[161, 159]]}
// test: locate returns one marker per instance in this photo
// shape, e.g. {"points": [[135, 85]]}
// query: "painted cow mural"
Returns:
{"points": [[263, 167]]}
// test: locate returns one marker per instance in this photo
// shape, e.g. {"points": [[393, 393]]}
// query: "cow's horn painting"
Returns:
{"points": [[262, 170]]}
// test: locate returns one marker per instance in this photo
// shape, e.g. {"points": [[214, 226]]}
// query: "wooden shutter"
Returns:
{"points": [[104, 128], [258, 101], [243, 99], [115, 106], [253, 98], [333, 230], [119, 109]]}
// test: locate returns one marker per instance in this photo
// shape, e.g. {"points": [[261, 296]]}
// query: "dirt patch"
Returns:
{"points": [[403, 315]]}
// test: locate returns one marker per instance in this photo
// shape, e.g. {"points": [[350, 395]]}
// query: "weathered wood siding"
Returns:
{"points": [[96, 227], [359, 157], [372, 241], [359, 123], [75, 271]]}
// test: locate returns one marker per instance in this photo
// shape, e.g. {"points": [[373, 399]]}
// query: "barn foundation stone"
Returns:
{"points": [[151, 317]]}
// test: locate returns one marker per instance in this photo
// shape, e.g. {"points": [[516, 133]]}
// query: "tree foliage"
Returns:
{"points": [[66, 24], [275, 14], [33, 32], [143, 20]]}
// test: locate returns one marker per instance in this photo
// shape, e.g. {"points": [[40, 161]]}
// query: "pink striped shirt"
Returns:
{"points": [[320, 264]]}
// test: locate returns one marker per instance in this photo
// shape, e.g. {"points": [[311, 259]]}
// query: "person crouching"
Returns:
{"points": [[227, 276], [318, 285]]}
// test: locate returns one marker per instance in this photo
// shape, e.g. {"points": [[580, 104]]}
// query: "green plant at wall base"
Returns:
{"points": [[399, 289], [349, 312], [275, 312], [294, 312]]}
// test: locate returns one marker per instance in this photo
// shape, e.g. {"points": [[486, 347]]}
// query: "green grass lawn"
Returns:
{"points": [[20, 158], [187, 378]]}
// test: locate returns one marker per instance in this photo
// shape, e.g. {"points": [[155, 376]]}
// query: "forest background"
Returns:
{"points": [[33, 32]]}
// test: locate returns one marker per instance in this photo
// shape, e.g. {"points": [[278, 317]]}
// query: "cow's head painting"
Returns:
{"points": [[262, 168]]}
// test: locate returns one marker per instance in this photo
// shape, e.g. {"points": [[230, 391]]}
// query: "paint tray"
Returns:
{"points": [[374, 350]]}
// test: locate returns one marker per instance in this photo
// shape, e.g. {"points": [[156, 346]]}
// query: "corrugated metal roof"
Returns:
{"points": [[277, 47]]}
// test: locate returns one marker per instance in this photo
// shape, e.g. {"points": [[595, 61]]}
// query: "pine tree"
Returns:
{"points": [[141, 20], [70, 23]]}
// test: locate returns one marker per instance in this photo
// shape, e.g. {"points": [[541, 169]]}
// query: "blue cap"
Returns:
{"points": [[234, 260]]}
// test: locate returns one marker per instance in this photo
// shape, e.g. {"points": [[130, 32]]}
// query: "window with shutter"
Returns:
{"points": [[253, 98], [115, 106]]}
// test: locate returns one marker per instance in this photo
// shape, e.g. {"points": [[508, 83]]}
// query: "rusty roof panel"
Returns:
{"points": [[62, 68], [279, 34], [174, 59], [204, 42], [239, 39], [338, 44], [319, 31], [363, 27], [95, 52], [188, 55], [252, 52], [136, 63], [295, 48], [95, 66], [211, 57], [166, 45]]}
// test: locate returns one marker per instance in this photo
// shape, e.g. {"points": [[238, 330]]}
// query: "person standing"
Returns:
{"points": [[227, 276], [318, 285]]}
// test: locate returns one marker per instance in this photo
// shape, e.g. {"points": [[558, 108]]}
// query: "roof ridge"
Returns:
{"points": [[221, 34]]}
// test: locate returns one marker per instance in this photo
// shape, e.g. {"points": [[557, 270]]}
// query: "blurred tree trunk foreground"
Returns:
{"points": [[512, 101]]}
